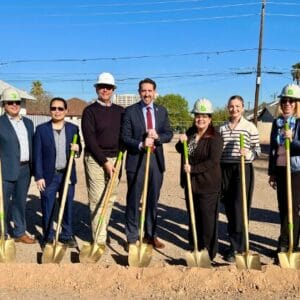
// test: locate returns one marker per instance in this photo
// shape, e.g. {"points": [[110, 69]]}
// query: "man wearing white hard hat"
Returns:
{"points": [[16, 135], [101, 122]]}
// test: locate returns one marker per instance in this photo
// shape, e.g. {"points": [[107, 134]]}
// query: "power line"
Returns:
{"points": [[198, 53], [70, 6], [214, 18], [145, 11], [284, 3], [282, 15], [162, 76]]}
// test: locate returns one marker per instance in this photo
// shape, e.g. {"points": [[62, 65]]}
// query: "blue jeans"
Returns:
{"points": [[16, 191], [48, 198]]}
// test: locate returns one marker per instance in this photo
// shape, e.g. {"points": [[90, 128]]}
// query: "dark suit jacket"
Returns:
{"points": [[10, 147], [44, 151], [133, 132]]}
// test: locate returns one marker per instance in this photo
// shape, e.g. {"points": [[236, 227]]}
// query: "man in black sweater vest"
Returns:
{"points": [[101, 122]]}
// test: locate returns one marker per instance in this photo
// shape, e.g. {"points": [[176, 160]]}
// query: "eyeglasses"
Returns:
{"points": [[13, 102], [55, 108], [105, 86], [287, 100]]}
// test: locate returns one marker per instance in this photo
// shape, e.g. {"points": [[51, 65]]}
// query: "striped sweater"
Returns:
{"points": [[231, 139]]}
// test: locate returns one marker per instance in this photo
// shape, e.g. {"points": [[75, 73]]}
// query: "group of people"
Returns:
{"points": [[214, 166], [107, 128]]}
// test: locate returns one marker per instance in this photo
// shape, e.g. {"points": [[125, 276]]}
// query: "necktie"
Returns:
{"points": [[149, 122], [149, 118]]}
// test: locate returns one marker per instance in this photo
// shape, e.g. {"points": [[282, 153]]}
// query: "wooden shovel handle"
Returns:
{"points": [[145, 194], [110, 187], [65, 190], [244, 195], [2, 228], [289, 191], [190, 198]]}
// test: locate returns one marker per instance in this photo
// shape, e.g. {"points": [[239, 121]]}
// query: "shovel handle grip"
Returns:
{"points": [[287, 141], [74, 141], [185, 152], [120, 156], [242, 141]]}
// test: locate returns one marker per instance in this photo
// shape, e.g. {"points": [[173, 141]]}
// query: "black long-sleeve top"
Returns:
{"points": [[205, 162], [101, 130]]}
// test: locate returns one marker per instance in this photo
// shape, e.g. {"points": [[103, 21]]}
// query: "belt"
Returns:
{"points": [[60, 170], [23, 163]]}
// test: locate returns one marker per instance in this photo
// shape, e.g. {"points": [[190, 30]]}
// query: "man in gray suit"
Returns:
{"points": [[16, 135]]}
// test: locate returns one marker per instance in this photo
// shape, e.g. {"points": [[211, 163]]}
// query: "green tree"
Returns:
{"points": [[296, 72], [37, 88], [177, 107], [39, 106], [220, 115]]}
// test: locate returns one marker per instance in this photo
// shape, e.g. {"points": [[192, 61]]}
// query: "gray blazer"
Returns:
{"points": [[10, 147]]}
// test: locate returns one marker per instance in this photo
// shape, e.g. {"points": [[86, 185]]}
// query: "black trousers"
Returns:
{"points": [[233, 202], [283, 240], [135, 182], [206, 208]]}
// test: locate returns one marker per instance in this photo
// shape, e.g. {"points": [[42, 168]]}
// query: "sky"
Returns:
{"points": [[197, 48]]}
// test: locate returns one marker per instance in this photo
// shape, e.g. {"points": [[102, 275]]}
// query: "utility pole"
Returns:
{"points": [[258, 69]]}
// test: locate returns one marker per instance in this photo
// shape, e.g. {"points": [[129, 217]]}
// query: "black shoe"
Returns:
{"points": [[230, 256], [69, 242], [46, 241], [282, 249]]}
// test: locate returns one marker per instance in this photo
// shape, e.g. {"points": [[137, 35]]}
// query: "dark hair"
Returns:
{"points": [[61, 100], [236, 97], [147, 80], [209, 133]]}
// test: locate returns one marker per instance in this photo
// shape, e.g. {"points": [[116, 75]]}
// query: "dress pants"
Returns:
{"points": [[135, 182], [206, 208], [233, 202], [16, 209], [48, 199], [282, 205]]}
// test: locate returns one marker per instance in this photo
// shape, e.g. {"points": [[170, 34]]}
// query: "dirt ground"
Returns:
{"points": [[167, 277]]}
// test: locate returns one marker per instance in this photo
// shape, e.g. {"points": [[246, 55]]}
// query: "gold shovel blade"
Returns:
{"points": [[248, 261], [139, 255], [53, 253], [289, 260], [198, 259], [91, 253], [7, 251]]}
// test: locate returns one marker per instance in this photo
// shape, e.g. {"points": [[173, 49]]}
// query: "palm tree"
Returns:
{"points": [[296, 72], [37, 88]]}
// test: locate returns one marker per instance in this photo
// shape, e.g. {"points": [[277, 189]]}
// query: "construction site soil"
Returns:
{"points": [[167, 277]]}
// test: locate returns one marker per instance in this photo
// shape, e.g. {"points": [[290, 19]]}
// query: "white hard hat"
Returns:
{"points": [[106, 78], [202, 106], [291, 91], [10, 94]]}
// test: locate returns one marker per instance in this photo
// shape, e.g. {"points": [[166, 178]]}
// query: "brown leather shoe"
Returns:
{"points": [[157, 244], [25, 239]]}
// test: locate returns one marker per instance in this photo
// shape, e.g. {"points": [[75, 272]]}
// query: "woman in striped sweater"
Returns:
{"points": [[230, 164]]}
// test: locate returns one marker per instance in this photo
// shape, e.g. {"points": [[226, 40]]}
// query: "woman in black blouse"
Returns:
{"points": [[205, 147]]}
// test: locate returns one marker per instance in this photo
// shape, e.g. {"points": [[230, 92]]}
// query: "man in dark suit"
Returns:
{"points": [[51, 151], [16, 133], [145, 125]]}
